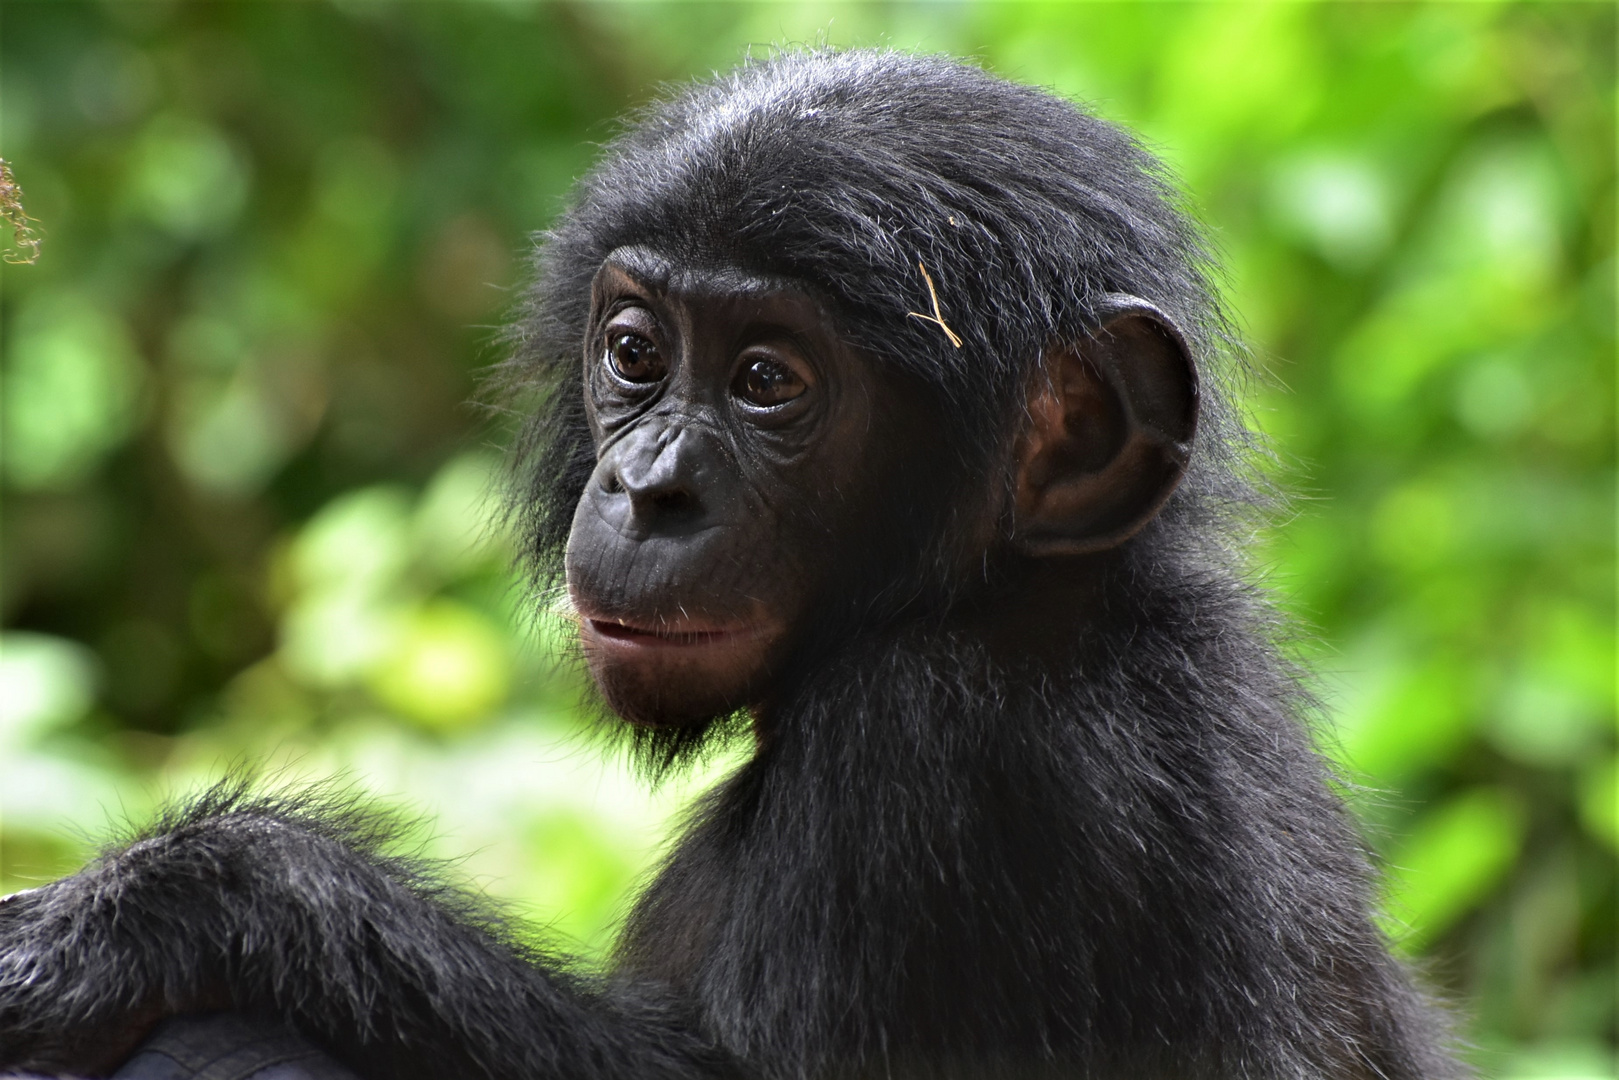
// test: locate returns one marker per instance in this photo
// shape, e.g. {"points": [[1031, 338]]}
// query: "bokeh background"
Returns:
{"points": [[247, 513]]}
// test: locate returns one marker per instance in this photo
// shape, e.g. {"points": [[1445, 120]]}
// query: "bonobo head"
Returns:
{"points": [[824, 343]]}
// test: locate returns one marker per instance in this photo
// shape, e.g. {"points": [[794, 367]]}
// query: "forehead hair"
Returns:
{"points": [[853, 171], [862, 175]]}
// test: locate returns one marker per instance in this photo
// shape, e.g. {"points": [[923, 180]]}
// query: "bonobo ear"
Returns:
{"points": [[1110, 432]]}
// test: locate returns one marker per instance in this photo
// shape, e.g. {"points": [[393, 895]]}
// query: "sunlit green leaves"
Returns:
{"points": [[245, 517], [1340, 204], [72, 390], [1495, 398], [44, 682], [186, 177], [448, 667], [363, 607], [1396, 714], [1451, 861], [1599, 799], [457, 522]]}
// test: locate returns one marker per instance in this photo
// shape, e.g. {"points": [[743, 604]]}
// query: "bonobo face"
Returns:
{"points": [[731, 426]]}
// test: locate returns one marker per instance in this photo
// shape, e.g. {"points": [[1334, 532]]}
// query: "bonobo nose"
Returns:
{"points": [[662, 474]]}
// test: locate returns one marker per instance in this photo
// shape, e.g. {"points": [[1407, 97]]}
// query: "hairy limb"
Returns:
{"points": [[289, 907]]}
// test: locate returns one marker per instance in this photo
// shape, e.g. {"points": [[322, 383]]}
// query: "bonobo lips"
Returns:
{"points": [[648, 640], [655, 673], [682, 636]]}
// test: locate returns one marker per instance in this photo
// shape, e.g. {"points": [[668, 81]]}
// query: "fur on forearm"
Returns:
{"points": [[292, 906]]}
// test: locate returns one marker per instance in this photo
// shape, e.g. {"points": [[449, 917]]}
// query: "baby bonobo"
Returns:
{"points": [[882, 421]]}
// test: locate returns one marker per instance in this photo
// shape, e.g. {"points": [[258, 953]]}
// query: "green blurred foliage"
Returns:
{"points": [[248, 517]]}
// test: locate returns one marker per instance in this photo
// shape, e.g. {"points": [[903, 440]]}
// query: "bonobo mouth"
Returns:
{"points": [[656, 673], [671, 636]]}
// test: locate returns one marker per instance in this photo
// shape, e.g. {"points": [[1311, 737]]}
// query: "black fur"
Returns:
{"points": [[1111, 852]]}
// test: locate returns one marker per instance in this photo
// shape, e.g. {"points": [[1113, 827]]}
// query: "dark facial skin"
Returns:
{"points": [[754, 471], [732, 426]]}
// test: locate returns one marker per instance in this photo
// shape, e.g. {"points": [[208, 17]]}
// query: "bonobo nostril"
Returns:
{"points": [[678, 499], [660, 470], [659, 501]]}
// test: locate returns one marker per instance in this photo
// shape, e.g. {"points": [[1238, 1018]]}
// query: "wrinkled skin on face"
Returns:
{"points": [[735, 439], [759, 481]]}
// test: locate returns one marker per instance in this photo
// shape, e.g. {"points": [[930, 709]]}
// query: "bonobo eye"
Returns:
{"points": [[635, 359], [767, 382]]}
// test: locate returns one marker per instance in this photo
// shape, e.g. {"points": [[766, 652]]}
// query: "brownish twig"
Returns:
{"points": [[23, 238], [937, 316]]}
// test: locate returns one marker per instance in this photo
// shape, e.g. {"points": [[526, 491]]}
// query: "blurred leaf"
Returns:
{"points": [[330, 639], [1599, 800], [449, 667], [458, 520], [358, 544], [1576, 1062], [29, 858], [72, 389], [1414, 525], [1396, 714], [44, 682], [186, 177], [230, 439], [1450, 861], [1341, 204], [1495, 398], [577, 878], [1543, 723]]}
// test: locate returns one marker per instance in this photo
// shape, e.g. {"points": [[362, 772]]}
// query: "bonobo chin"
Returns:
{"points": [[881, 420]]}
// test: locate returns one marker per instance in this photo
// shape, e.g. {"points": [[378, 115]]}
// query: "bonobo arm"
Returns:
{"points": [[288, 907]]}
